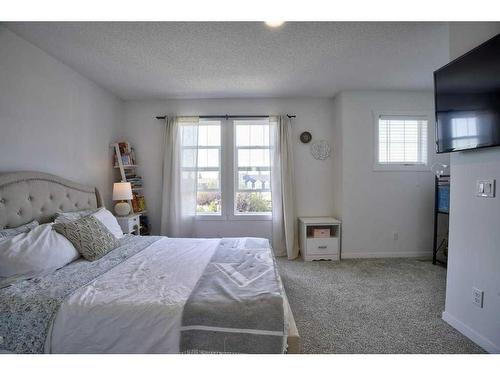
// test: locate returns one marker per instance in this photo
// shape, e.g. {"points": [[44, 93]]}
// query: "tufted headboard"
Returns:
{"points": [[27, 196]]}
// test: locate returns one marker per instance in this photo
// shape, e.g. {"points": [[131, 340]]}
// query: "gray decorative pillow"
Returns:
{"points": [[89, 236], [25, 228], [67, 217]]}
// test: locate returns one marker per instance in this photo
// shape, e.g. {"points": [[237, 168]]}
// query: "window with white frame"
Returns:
{"points": [[252, 167], [201, 161], [401, 142], [228, 160]]}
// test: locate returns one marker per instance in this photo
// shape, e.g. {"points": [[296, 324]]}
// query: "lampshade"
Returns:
{"points": [[122, 191]]}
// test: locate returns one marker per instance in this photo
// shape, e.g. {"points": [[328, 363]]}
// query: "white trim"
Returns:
{"points": [[252, 217], [232, 330], [208, 217], [401, 167], [386, 254], [479, 339]]}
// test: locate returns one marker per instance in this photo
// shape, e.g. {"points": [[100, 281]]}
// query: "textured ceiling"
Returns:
{"points": [[231, 59]]}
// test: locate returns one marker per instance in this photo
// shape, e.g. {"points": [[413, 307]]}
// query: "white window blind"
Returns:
{"points": [[402, 140]]}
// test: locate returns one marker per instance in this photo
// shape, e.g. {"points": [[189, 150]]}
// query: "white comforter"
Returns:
{"points": [[137, 306]]}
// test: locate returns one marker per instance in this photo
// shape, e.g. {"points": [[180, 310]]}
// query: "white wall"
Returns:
{"points": [[474, 245], [313, 179], [52, 119], [376, 204]]}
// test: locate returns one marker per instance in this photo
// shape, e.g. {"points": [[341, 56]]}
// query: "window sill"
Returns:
{"points": [[249, 217], [210, 217], [401, 168]]}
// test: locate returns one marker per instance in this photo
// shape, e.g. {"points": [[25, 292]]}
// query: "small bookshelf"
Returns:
{"points": [[441, 211], [124, 161]]}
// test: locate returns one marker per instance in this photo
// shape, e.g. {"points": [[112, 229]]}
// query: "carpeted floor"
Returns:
{"points": [[371, 306]]}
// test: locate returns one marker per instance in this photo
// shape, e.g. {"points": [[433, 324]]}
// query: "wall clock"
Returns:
{"points": [[305, 137]]}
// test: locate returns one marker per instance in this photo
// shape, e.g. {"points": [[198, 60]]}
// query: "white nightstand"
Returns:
{"points": [[326, 247], [130, 224]]}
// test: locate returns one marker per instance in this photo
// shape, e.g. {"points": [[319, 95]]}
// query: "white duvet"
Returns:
{"points": [[137, 306]]}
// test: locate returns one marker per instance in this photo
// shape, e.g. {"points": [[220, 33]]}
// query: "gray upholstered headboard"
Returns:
{"points": [[27, 196]]}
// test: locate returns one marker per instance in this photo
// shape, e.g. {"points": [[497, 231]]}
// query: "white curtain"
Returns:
{"points": [[179, 176], [285, 240]]}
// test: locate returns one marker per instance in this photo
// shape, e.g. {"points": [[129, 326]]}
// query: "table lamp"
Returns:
{"points": [[122, 191]]}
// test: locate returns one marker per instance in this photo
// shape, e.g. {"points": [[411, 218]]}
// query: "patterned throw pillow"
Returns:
{"points": [[89, 236], [4, 233]]}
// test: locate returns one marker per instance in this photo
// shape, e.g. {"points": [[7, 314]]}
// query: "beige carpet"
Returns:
{"points": [[371, 306]]}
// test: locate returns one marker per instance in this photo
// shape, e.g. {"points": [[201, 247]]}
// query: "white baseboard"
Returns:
{"points": [[479, 339], [385, 254]]}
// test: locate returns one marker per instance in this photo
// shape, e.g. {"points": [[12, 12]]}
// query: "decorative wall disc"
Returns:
{"points": [[320, 150], [305, 137]]}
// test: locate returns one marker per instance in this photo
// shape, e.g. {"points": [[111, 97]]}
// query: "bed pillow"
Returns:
{"points": [[109, 221], [102, 214], [18, 230], [67, 217], [32, 254], [89, 236]]}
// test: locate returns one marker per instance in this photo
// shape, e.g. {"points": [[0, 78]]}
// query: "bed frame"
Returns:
{"points": [[28, 196]]}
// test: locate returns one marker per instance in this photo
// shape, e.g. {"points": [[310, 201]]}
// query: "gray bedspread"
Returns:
{"points": [[237, 305], [27, 308]]}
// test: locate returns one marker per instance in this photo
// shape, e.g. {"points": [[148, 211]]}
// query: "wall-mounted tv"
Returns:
{"points": [[467, 99]]}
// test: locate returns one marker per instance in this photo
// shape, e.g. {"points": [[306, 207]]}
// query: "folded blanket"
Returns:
{"points": [[237, 305]]}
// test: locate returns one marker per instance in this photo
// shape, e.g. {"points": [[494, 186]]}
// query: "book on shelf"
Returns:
{"points": [[126, 160], [124, 147], [127, 154], [138, 202], [132, 155], [135, 181]]}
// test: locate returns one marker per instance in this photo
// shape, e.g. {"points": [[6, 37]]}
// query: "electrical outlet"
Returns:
{"points": [[396, 236], [477, 297]]}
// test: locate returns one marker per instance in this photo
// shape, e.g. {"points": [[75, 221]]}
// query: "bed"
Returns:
{"points": [[139, 297]]}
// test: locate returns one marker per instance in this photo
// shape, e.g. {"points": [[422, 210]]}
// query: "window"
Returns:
{"points": [[201, 162], [228, 162], [401, 142], [252, 167]]}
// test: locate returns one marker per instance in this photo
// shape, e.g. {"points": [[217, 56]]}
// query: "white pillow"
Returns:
{"points": [[36, 253], [109, 221], [20, 229], [68, 217]]}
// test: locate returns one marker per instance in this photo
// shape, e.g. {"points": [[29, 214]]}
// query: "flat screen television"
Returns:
{"points": [[467, 100]]}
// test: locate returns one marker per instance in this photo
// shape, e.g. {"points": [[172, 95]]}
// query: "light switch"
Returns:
{"points": [[485, 188]]}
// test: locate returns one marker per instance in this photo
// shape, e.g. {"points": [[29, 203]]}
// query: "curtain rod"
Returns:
{"points": [[229, 116]]}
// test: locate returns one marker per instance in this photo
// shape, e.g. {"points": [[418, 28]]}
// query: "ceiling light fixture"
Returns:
{"points": [[274, 23]]}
